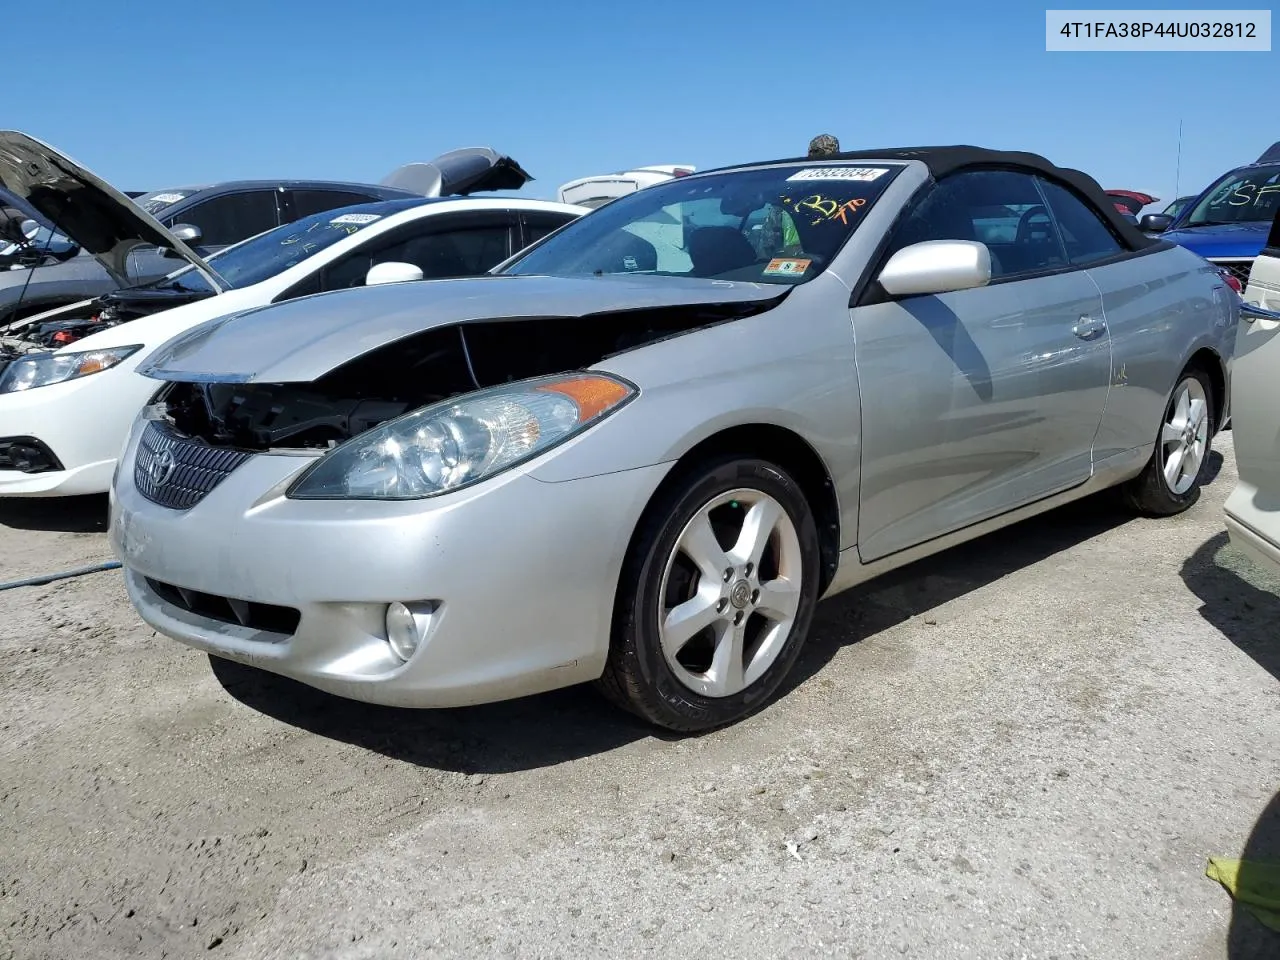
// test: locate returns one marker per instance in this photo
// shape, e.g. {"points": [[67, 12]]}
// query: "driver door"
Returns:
{"points": [[979, 401]]}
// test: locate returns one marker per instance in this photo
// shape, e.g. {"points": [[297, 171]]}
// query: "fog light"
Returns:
{"points": [[407, 627]]}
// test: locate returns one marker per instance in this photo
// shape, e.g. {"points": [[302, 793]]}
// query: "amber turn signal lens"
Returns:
{"points": [[593, 395]]}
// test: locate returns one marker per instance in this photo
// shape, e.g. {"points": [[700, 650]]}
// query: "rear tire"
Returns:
{"points": [[716, 597], [1171, 480]]}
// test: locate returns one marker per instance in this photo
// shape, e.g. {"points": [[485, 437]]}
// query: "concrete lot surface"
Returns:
{"points": [[1027, 747]]}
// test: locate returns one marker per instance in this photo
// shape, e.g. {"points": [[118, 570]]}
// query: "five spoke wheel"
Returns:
{"points": [[1184, 439], [730, 592]]}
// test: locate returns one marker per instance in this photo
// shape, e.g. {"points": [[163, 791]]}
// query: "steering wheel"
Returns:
{"points": [[1024, 221]]}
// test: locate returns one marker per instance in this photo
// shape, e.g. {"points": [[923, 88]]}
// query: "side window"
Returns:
{"points": [[307, 202], [461, 252], [1086, 237], [538, 225], [231, 217], [1000, 208]]}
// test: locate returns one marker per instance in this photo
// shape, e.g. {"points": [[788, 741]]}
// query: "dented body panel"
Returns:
{"points": [[308, 337]]}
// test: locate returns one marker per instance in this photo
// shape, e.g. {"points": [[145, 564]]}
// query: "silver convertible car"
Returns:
{"points": [[642, 449]]}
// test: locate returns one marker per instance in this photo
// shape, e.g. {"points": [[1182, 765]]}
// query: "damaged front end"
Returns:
{"points": [[417, 371]]}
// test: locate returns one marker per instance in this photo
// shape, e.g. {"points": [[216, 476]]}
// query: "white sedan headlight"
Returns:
{"points": [[42, 369], [461, 441]]}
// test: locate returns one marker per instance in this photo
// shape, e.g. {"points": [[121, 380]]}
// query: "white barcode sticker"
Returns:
{"points": [[839, 173], [356, 218]]}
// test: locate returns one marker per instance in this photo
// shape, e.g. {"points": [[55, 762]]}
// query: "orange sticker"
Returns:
{"points": [[782, 267]]}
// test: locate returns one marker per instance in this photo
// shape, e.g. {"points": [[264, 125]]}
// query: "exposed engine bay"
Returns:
{"points": [[75, 323], [419, 370]]}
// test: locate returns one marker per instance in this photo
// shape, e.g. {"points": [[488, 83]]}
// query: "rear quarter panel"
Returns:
{"points": [[1161, 308]]}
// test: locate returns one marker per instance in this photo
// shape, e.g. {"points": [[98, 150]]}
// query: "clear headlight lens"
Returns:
{"points": [[461, 441], [42, 369]]}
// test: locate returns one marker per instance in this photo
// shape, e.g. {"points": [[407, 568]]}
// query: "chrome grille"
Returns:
{"points": [[176, 471], [1237, 268]]}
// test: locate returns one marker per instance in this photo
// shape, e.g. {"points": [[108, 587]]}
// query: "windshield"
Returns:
{"points": [[262, 257], [153, 203], [1250, 194], [779, 224]]}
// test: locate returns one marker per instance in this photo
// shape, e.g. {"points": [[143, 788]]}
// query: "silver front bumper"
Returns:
{"points": [[524, 572]]}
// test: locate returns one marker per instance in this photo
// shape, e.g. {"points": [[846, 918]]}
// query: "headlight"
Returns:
{"points": [[41, 369], [462, 441]]}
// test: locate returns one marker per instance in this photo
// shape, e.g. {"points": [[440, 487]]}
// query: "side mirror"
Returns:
{"points": [[29, 229], [392, 272], [1155, 222], [188, 233], [937, 266]]}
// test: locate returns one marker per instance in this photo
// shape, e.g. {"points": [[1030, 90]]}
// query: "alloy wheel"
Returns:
{"points": [[1184, 439], [730, 592]]}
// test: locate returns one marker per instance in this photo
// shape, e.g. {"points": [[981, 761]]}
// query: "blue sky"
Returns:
{"points": [[151, 96]]}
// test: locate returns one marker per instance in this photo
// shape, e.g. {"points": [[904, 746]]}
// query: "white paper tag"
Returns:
{"points": [[165, 198], [839, 173], [357, 218]]}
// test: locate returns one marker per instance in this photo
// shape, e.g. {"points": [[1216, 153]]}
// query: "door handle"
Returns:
{"points": [[1089, 328]]}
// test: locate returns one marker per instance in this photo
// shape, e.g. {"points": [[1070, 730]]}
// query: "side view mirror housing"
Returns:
{"points": [[188, 233], [30, 229], [1155, 222], [936, 266], [392, 272]]}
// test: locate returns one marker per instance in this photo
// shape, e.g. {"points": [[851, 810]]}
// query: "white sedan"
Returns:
{"points": [[65, 413]]}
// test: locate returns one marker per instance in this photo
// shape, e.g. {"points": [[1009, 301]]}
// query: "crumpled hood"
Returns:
{"points": [[82, 206], [1223, 239], [301, 340]]}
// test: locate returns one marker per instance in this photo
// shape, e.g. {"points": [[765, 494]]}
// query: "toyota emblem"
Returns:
{"points": [[161, 466]]}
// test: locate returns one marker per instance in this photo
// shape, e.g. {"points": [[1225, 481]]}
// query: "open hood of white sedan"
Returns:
{"points": [[84, 207], [301, 340]]}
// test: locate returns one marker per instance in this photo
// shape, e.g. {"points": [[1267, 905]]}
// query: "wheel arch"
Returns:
{"points": [[788, 450], [1211, 362]]}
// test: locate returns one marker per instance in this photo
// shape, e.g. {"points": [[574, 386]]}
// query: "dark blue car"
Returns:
{"points": [[1227, 224]]}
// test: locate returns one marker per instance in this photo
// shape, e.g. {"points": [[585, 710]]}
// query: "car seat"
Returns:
{"points": [[717, 250]]}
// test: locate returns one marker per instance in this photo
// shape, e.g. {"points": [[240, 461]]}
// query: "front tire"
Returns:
{"points": [[716, 597], [1171, 480]]}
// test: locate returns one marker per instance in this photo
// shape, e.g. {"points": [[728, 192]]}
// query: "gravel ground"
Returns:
{"points": [[1025, 748]]}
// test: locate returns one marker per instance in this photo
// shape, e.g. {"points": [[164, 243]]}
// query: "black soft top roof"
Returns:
{"points": [[947, 159]]}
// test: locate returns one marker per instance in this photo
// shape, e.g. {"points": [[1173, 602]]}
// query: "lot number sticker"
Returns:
{"points": [[839, 173]]}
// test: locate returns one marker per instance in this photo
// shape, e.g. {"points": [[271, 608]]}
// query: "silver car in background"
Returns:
{"points": [[643, 450]]}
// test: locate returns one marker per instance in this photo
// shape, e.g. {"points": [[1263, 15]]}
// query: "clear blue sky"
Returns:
{"points": [[158, 95]]}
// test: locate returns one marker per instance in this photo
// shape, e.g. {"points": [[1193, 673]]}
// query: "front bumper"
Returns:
{"points": [[1244, 526], [84, 422], [524, 573]]}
